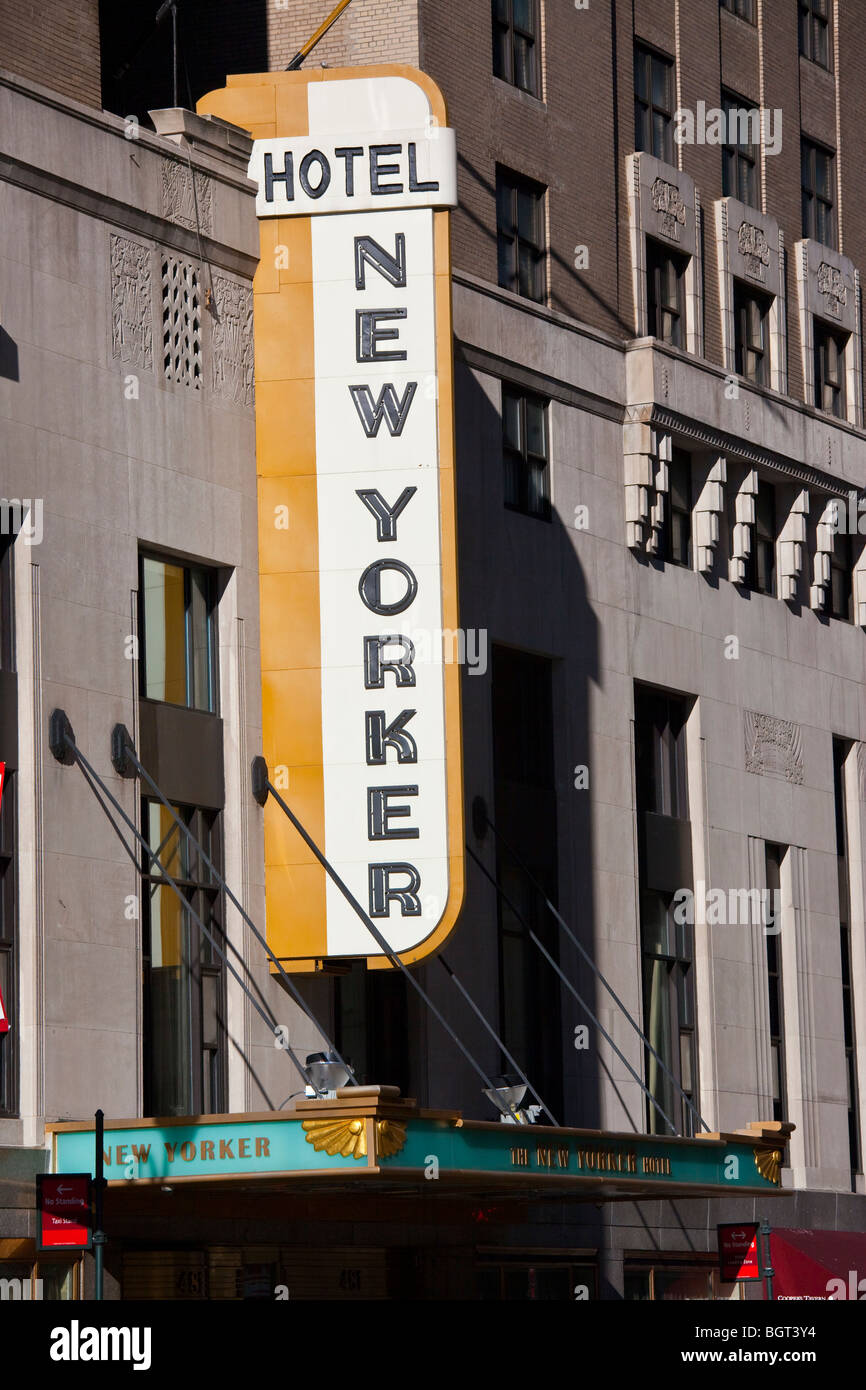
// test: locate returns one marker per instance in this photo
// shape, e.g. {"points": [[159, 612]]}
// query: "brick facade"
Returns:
{"points": [[55, 43], [369, 31]]}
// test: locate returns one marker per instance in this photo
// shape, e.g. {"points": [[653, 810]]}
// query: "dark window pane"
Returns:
{"points": [[520, 234], [176, 615], [524, 451], [653, 104]]}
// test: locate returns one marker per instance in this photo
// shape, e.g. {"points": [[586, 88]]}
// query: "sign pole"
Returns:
{"points": [[766, 1261], [99, 1236]]}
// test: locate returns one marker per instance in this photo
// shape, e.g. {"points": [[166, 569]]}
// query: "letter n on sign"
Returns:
{"points": [[356, 175]]}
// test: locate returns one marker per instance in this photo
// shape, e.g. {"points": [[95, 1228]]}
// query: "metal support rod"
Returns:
{"points": [[100, 1239], [174, 53], [289, 984], [320, 33], [570, 986], [385, 948], [92, 777], [496, 1038], [592, 965], [766, 1259]]}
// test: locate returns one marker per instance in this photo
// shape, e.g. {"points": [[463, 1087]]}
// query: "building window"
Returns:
{"points": [[677, 546], [660, 753], [525, 453], [665, 290], [740, 155], [672, 1281], [8, 953], [830, 392], [751, 335], [669, 1013], [743, 9], [813, 31], [841, 749], [525, 815], [520, 235], [653, 104], [177, 620], [817, 174], [515, 43], [513, 1275], [184, 976], [841, 578], [773, 863]]}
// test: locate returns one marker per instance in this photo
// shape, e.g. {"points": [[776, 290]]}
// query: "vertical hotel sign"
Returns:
{"points": [[356, 171]]}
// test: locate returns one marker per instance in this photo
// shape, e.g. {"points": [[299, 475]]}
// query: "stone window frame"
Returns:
{"points": [[751, 250], [664, 204], [828, 289]]}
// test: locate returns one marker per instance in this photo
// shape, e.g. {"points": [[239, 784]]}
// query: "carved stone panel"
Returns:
{"points": [[773, 747], [829, 284], [181, 202], [663, 202], [232, 341], [131, 302]]}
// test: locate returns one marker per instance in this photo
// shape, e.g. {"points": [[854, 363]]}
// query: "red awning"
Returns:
{"points": [[818, 1264]]}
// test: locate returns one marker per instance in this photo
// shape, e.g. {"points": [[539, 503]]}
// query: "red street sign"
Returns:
{"points": [[63, 1203], [739, 1256]]}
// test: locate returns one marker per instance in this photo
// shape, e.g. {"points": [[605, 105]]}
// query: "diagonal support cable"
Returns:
{"points": [[565, 980], [124, 749], [65, 749], [592, 965], [493, 1033], [262, 785]]}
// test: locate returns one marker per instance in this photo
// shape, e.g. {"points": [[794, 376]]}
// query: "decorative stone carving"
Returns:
{"points": [[750, 250], [181, 317], [131, 302], [792, 545], [709, 506], [828, 290], [664, 204], [744, 522], [824, 537], [647, 453], [182, 202], [773, 747], [831, 284], [754, 249], [232, 341], [668, 203]]}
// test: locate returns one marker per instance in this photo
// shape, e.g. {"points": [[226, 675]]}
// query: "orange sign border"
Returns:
{"points": [[269, 106]]}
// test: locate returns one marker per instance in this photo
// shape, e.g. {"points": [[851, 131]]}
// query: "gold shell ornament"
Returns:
{"points": [[390, 1137], [769, 1164], [345, 1137]]}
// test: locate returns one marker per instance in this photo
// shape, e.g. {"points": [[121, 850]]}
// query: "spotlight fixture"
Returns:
{"points": [[508, 1090], [326, 1073]]}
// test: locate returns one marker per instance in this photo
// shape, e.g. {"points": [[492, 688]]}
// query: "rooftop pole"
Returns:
{"points": [[320, 33]]}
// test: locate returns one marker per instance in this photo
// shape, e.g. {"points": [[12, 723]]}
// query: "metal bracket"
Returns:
{"points": [[479, 817], [60, 735], [121, 745], [260, 777]]}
